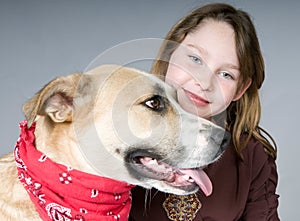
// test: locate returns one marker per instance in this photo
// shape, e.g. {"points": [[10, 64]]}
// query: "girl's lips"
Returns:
{"points": [[197, 100]]}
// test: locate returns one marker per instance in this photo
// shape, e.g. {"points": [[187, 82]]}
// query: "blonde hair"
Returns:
{"points": [[243, 115]]}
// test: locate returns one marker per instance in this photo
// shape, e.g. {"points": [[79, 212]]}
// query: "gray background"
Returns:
{"points": [[40, 40]]}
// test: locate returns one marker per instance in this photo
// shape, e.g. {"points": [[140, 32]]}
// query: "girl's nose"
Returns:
{"points": [[205, 86], [204, 81]]}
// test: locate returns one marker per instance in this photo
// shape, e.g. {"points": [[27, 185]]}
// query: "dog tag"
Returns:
{"points": [[182, 208]]}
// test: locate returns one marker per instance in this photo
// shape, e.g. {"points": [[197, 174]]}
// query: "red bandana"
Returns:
{"points": [[64, 194]]}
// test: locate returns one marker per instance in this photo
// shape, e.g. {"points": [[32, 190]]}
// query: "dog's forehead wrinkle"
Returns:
{"points": [[85, 86], [159, 90]]}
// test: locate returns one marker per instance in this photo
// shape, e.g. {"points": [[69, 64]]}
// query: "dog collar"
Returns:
{"points": [[62, 193]]}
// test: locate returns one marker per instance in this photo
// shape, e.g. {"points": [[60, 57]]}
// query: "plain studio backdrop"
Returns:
{"points": [[40, 40]]}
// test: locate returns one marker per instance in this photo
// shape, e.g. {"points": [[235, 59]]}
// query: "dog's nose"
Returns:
{"points": [[222, 137]]}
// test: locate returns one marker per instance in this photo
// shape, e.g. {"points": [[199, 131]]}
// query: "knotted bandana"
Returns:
{"points": [[61, 193]]}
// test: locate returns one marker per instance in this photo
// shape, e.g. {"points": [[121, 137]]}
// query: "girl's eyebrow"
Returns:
{"points": [[199, 49], [232, 66]]}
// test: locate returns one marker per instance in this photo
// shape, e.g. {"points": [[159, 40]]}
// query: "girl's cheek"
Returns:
{"points": [[176, 76], [173, 78]]}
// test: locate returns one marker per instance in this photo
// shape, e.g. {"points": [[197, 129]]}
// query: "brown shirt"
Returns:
{"points": [[242, 190]]}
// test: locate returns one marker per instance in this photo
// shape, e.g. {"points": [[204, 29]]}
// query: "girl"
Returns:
{"points": [[218, 70]]}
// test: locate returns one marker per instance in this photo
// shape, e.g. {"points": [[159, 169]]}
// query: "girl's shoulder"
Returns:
{"points": [[256, 157], [254, 149]]}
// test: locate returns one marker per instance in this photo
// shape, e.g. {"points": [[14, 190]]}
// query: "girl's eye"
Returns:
{"points": [[195, 59], [226, 75]]}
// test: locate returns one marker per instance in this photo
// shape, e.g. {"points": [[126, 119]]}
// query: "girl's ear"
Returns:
{"points": [[240, 93]]}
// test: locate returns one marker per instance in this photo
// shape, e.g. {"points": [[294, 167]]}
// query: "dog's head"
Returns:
{"points": [[127, 126]]}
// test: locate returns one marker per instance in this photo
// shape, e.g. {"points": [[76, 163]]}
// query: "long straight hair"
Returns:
{"points": [[243, 115]]}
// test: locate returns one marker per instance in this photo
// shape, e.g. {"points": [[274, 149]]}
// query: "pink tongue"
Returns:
{"points": [[200, 178]]}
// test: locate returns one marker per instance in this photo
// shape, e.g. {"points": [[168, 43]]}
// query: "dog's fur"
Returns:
{"points": [[115, 115]]}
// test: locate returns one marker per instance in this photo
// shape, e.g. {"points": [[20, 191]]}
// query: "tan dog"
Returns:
{"points": [[114, 122]]}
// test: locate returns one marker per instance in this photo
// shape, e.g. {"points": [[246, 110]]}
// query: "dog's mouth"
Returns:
{"points": [[186, 179]]}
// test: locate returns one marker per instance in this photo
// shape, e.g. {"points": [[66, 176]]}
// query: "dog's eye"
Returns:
{"points": [[155, 103]]}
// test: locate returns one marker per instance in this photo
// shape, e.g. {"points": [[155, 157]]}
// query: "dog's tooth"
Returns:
{"points": [[186, 177], [152, 162], [148, 159], [191, 180], [181, 179], [161, 167], [169, 169]]}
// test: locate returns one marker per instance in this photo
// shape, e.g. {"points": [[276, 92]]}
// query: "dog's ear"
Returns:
{"points": [[55, 100]]}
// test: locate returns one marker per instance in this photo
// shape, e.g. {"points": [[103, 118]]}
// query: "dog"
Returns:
{"points": [[93, 136]]}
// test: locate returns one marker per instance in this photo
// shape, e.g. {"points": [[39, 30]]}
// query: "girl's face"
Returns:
{"points": [[204, 69]]}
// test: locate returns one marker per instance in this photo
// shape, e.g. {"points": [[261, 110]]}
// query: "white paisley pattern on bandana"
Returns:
{"points": [[61, 193]]}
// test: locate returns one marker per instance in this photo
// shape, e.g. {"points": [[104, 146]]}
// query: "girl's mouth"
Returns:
{"points": [[197, 100]]}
